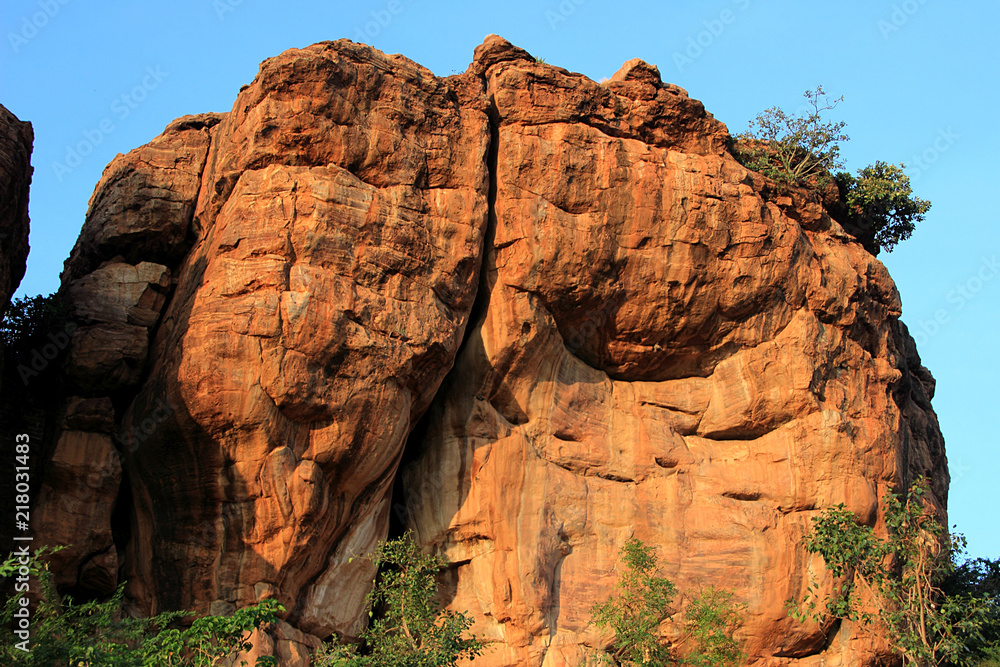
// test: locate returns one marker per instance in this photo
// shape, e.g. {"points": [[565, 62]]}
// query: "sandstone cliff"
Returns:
{"points": [[16, 139], [551, 313]]}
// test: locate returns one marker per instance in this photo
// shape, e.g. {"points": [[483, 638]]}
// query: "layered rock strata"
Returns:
{"points": [[605, 326]]}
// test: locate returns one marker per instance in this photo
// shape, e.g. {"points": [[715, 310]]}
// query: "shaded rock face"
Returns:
{"points": [[77, 498], [605, 326], [16, 139]]}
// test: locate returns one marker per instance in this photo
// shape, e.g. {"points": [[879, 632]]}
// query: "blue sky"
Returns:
{"points": [[918, 77]]}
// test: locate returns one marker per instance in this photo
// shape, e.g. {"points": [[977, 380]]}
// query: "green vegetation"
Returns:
{"points": [[979, 578], [643, 601], [892, 587], [711, 620], [409, 628], [930, 610], [794, 148], [99, 634], [35, 332], [28, 319], [804, 149], [879, 198], [637, 609]]}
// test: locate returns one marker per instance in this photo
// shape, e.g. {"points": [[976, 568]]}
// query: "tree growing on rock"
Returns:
{"points": [[794, 148], [891, 587], [803, 150], [643, 600], [979, 578], [98, 633], [408, 629], [880, 198]]}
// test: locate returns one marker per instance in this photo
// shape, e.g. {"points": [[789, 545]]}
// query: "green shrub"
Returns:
{"points": [[635, 612], [711, 619], [99, 634], [27, 319], [409, 627], [979, 578], [794, 148], [804, 149], [880, 198], [643, 600], [901, 575], [35, 332]]}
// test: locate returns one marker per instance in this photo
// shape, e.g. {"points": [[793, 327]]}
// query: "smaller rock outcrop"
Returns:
{"points": [[15, 176]]}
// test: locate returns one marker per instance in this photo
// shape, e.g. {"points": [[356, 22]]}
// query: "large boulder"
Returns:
{"points": [[561, 307], [335, 243], [666, 353]]}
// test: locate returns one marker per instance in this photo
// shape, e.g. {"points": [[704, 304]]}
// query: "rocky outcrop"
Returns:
{"points": [[664, 353], [16, 138], [603, 324], [115, 286], [272, 297]]}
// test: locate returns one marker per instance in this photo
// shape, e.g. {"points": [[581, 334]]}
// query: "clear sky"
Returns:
{"points": [[919, 77]]}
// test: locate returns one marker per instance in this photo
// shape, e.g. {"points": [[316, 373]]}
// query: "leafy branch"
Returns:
{"points": [[891, 587], [411, 628], [794, 148], [99, 634], [643, 600]]}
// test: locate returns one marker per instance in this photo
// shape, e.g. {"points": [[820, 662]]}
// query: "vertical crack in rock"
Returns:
{"points": [[405, 495], [336, 263]]}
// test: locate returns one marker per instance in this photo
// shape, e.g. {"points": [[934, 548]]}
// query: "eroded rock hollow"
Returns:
{"points": [[605, 326]]}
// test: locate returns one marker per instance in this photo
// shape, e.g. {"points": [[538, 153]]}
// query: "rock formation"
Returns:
{"points": [[16, 139], [562, 305], [663, 352]]}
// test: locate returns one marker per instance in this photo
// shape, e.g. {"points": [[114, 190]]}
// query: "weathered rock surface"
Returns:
{"points": [[659, 343], [330, 231], [667, 354], [16, 139], [142, 207]]}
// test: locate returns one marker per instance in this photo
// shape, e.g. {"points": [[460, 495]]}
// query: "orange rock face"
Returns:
{"points": [[664, 353], [320, 246], [606, 326]]}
